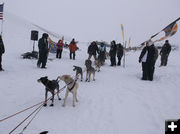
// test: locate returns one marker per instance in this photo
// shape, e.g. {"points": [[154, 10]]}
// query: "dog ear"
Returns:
{"points": [[46, 77]]}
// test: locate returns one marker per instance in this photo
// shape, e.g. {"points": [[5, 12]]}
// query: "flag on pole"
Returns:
{"points": [[169, 30], [122, 29], [1, 11]]}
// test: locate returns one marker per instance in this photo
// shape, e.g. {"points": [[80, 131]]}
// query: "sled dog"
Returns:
{"points": [[72, 87], [50, 86]]}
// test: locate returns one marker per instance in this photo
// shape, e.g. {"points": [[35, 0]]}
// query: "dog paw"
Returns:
{"points": [[45, 105], [51, 105], [73, 105]]}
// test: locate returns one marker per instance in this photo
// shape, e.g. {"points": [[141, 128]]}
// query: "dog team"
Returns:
{"points": [[71, 84]]}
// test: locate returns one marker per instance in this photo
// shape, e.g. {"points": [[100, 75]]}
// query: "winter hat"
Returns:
{"points": [[45, 35]]}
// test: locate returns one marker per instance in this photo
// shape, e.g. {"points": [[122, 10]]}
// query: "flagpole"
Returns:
{"points": [[124, 45]]}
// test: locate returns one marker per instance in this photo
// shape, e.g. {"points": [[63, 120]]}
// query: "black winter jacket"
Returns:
{"points": [[113, 50], [92, 49], [151, 56], [166, 49], [43, 45], [119, 50]]}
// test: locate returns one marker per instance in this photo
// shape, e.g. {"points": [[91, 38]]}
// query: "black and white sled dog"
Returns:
{"points": [[78, 72], [50, 86], [89, 70], [72, 87]]}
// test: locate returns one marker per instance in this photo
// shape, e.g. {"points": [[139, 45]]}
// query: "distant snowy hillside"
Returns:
{"points": [[117, 102]]}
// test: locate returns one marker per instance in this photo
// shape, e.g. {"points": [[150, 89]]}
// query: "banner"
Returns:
{"points": [[169, 30], [52, 46], [122, 29]]}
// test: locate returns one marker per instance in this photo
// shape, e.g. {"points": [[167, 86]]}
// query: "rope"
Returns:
{"points": [[31, 119], [37, 110], [25, 119], [20, 111], [30, 107]]}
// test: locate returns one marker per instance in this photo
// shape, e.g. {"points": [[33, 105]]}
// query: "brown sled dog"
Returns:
{"points": [[89, 70]]}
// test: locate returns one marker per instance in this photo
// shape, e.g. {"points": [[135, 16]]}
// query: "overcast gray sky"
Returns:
{"points": [[88, 20]]}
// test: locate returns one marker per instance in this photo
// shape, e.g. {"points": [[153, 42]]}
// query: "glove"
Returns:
{"points": [[139, 60]]}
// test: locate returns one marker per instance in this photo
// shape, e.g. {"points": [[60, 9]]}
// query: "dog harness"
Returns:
{"points": [[72, 86]]}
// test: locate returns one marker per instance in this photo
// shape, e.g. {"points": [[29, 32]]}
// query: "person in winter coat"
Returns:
{"points": [[2, 50], [112, 53], [92, 50], [120, 51], [166, 49], [148, 58], [59, 50], [102, 52], [43, 50], [72, 48]]}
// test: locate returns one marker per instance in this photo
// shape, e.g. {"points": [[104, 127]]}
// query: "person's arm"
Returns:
{"points": [[142, 54]]}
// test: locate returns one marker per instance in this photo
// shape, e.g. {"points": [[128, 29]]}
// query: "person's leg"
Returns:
{"points": [[94, 57], [89, 56], [144, 71], [165, 60], [162, 59], [44, 61], [1, 62], [60, 53], [40, 59], [114, 61], [150, 72], [119, 61], [70, 55], [74, 55], [111, 60], [57, 53]]}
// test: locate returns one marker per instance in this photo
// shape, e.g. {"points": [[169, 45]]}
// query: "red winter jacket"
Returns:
{"points": [[72, 47], [60, 45]]}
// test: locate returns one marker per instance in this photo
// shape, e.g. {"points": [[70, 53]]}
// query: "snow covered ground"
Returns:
{"points": [[116, 102]]}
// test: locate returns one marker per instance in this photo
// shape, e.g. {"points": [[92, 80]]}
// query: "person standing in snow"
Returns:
{"points": [[72, 48], [2, 50], [112, 53], [92, 50], [102, 52], [120, 51], [43, 50], [59, 50], [148, 58], [166, 49]]}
